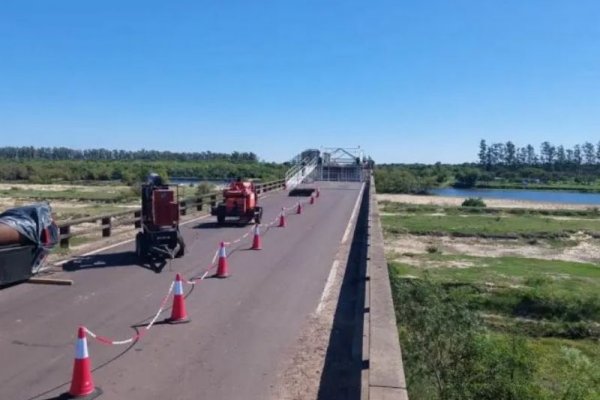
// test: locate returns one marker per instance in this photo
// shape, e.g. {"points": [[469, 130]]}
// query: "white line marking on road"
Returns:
{"points": [[353, 216], [336, 263], [328, 285]]}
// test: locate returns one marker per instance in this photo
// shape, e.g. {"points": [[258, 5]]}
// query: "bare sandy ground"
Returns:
{"points": [[586, 250], [58, 187], [496, 203]]}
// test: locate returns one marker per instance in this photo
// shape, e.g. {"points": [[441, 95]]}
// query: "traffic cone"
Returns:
{"points": [[82, 383], [178, 312], [312, 199], [256, 242], [223, 270], [299, 209], [282, 219]]}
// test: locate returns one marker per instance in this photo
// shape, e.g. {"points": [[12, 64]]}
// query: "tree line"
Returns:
{"points": [[65, 153], [548, 156], [131, 172]]}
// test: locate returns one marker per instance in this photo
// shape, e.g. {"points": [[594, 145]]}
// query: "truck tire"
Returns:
{"points": [[181, 244], [140, 247], [221, 215], [258, 215]]}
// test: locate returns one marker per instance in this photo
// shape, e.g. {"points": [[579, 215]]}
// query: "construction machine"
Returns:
{"points": [[240, 201], [159, 236]]}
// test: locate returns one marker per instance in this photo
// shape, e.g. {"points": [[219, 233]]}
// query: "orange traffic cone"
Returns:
{"points": [[256, 242], [223, 270], [312, 199], [82, 383], [299, 209], [282, 219], [178, 312]]}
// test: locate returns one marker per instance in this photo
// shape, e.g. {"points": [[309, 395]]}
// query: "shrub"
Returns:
{"points": [[204, 188], [433, 249], [447, 352], [474, 202]]}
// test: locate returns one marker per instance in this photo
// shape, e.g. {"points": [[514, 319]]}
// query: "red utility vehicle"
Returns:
{"points": [[240, 202]]}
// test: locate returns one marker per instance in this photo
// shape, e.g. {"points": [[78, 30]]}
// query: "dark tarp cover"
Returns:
{"points": [[35, 223]]}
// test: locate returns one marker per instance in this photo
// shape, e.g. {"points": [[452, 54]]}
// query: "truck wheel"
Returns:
{"points": [[181, 244], [221, 215], [258, 215], [140, 248]]}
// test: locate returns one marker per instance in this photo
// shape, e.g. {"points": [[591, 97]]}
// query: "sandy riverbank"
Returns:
{"points": [[496, 203]]}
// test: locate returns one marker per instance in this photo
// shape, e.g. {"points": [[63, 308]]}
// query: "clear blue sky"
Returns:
{"points": [[409, 81]]}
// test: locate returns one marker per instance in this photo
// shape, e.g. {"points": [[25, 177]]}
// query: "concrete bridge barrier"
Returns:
{"points": [[384, 378]]}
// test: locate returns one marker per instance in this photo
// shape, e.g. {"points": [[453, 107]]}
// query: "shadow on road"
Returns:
{"points": [[111, 260], [215, 225], [341, 377]]}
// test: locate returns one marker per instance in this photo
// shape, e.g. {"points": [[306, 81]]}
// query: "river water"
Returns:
{"points": [[550, 196]]}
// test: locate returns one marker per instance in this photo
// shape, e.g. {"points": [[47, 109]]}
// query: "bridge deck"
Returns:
{"points": [[241, 330]]}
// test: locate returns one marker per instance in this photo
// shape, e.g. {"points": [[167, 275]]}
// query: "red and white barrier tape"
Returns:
{"points": [[107, 341]]}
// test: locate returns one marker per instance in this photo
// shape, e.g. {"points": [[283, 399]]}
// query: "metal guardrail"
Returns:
{"points": [[109, 221], [296, 174]]}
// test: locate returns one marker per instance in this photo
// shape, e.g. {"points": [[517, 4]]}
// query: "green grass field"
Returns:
{"points": [[404, 208], [550, 307], [487, 225], [513, 286], [570, 186], [554, 305], [93, 193]]}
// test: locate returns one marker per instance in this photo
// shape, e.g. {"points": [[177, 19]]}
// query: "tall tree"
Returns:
{"points": [[510, 154], [497, 151], [547, 153], [577, 159], [561, 157], [522, 156], [570, 156], [483, 154], [588, 153], [531, 156]]}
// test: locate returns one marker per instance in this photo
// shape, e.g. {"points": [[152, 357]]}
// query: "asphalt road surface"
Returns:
{"points": [[241, 327]]}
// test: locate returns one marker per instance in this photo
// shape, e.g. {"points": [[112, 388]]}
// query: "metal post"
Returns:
{"points": [[106, 226], [137, 223], [65, 230]]}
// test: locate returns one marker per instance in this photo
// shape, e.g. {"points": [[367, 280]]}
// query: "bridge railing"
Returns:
{"points": [[297, 173], [107, 222]]}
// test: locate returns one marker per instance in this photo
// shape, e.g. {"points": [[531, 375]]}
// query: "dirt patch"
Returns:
{"points": [[496, 203], [586, 250], [418, 262], [59, 187]]}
